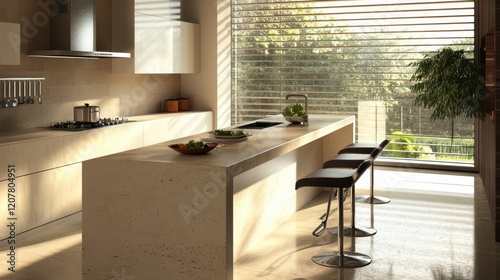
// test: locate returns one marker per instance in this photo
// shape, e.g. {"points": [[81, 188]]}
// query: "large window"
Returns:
{"points": [[351, 57]]}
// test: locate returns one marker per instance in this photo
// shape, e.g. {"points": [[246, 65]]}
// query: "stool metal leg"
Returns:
{"points": [[353, 230], [341, 259], [318, 231], [371, 199]]}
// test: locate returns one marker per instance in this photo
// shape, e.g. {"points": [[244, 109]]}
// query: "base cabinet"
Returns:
{"points": [[40, 198]]}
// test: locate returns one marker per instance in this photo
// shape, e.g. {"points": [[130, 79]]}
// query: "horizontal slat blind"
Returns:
{"points": [[343, 52]]}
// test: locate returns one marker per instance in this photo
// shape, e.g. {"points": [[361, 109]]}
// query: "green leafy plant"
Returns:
{"points": [[192, 144], [297, 109], [451, 84], [231, 132]]}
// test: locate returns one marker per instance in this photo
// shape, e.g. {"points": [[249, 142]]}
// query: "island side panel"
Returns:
{"points": [[265, 196], [336, 141], [153, 220]]}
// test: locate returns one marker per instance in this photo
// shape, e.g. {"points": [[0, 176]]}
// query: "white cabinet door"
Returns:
{"points": [[159, 42]]}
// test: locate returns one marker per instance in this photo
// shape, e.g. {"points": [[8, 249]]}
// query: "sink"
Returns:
{"points": [[258, 125]]}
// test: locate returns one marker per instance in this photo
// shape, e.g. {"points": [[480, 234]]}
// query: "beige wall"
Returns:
{"points": [[73, 82], [211, 88]]}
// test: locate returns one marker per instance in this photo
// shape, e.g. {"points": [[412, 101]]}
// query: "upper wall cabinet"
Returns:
{"points": [[10, 32], [159, 42], [10, 43]]}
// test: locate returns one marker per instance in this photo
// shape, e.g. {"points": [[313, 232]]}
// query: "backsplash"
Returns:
{"points": [[74, 82]]}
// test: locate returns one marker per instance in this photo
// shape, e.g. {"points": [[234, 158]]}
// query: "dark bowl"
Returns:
{"points": [[208, 148]]}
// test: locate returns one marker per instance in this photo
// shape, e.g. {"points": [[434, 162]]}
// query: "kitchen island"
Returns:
{"points": [[153, 213]]}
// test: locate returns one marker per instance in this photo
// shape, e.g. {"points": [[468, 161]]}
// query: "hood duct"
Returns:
{"points": [[72, 32]]}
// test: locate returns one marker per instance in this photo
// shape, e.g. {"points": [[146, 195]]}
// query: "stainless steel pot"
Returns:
{"points": [[86, 113]]}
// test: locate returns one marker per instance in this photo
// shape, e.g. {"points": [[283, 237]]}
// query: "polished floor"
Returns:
{"points": [[436, 226]]}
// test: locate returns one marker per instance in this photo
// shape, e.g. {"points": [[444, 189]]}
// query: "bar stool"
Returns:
{"points": [[339, 178], [365, 148], [353, 161]]}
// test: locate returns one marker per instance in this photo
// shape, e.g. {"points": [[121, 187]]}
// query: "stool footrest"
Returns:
{"points": [[359, 231], [318, 231], [348, 259], [372, 199]]}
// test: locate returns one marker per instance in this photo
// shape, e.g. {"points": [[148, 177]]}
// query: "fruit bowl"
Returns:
{"points": [[181, 149]]}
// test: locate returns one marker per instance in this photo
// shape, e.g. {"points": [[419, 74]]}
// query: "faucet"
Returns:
{"points": [[297, 95]]}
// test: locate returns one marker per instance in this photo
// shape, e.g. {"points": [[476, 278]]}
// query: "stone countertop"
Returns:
{"points": [[263, 146], [40, 133]]}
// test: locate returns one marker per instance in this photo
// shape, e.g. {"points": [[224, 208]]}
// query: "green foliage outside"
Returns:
{"points": [[406, 146], [298, 50], [451, 84], [417, 147]]}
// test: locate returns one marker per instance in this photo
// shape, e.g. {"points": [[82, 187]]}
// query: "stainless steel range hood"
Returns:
{"points": [[72, 29]]}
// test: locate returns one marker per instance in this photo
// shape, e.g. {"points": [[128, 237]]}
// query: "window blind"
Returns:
{"points": [[349, 57]]}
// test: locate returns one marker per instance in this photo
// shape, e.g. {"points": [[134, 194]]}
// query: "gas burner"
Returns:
{"points": [[78, 126], [109, 121]]}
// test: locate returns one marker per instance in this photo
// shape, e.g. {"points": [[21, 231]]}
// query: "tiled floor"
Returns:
{"points": [[437, 226]]}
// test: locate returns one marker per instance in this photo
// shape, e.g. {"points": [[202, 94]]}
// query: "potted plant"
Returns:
{"points": [[451, 84]]}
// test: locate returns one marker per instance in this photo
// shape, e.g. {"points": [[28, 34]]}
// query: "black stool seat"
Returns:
{"points": [[339, 178], [366, 149], [334, 178], [359, 148], [348, 160]]}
